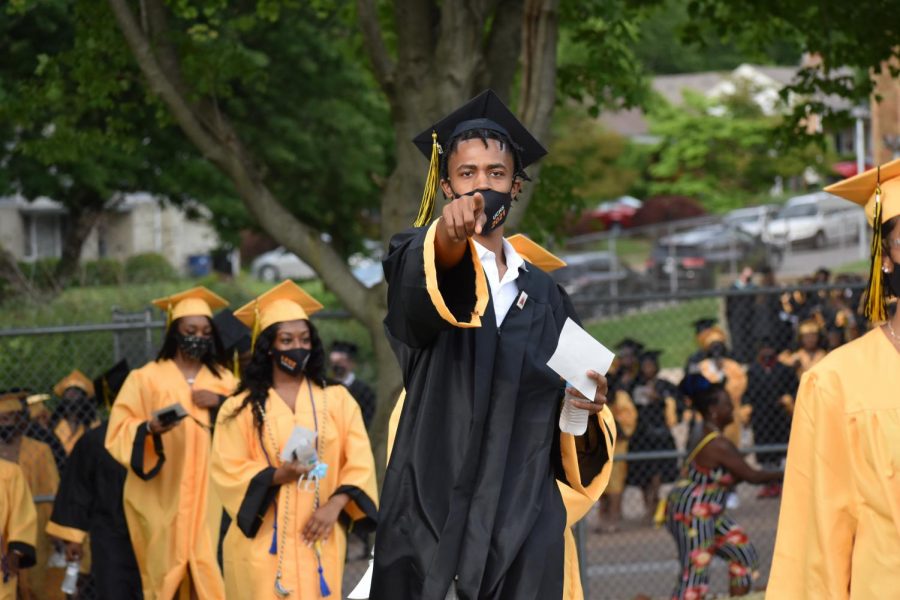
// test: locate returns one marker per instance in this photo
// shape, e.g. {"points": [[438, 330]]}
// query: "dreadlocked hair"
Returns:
{"points": [[257, 377], [484, 135]]}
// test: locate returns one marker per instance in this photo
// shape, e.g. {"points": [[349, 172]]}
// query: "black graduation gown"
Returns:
{"points": [[652, 434], [90, 499], [470, 490], [365, 397], [770, 419]]}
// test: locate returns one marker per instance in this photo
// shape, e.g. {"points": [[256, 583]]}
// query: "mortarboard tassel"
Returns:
{"points": [[168, 316], [874, 307], [426, 208], [236, 365], [254, 333]]}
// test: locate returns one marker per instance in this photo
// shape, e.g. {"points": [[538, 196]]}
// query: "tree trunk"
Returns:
{"points": [[81, 221], [16, 282]]}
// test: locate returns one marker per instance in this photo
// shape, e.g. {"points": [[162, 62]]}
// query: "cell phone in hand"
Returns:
{"points": [[170, 414]]}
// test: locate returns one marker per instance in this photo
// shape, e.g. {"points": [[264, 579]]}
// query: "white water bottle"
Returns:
{"points": [[70, 581], [572, 419]]}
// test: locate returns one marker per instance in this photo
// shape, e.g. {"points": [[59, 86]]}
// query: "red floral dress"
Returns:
{"points": [[695, 516]]}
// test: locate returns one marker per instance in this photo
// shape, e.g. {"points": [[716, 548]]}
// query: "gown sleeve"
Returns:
{"points": [[587, 462], [128, 438], [70, 520], [22, 526], [422, 301], [818, 519], [357, 468], [244, 484]]}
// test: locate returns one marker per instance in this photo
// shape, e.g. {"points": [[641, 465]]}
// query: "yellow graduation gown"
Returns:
{"points": [[39, 468], [68, 436], [839, 528], [240, 464], [168, 514], [18, 519], [578, 498]]}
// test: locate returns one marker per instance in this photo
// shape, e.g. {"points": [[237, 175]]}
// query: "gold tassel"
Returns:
{"points": [[426, 207], [168, 316], [875, 308], [254, 333], [236, 365], [107, 392]]}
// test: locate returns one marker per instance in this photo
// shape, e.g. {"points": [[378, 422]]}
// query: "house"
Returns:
{"points": [[133, 224]]}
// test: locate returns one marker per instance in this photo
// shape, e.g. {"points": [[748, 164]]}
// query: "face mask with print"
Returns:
{"points": [[292, 362], [194, 346]]}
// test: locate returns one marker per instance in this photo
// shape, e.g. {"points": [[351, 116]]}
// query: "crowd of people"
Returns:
{"points": [[152, 496], [235, 464]]}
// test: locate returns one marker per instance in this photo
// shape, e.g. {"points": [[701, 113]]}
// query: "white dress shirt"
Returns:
{"points": [[503, 291]]}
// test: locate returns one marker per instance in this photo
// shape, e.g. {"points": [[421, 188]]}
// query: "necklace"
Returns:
{"points": [[280, 590]]}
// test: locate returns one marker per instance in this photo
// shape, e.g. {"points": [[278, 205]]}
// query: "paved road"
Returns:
{"points": [[642, 560], [804, 261]]}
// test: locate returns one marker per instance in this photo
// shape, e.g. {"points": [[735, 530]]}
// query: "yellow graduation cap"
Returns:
{"points": [[287, 301], [12, 401], [75, 379], [197, 301], [710, 336], [878, 192], [535, 253], [36, 405]]}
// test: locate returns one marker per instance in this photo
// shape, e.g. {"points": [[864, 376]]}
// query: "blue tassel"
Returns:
{"points": [[273, 549], [323, 585]]}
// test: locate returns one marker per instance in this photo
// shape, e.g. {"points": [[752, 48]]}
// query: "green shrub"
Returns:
{"points": [[40, 272], [104, 271], [149, 267]]}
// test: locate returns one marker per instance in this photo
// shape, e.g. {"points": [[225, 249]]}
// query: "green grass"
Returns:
{"points": [[669, 328]]}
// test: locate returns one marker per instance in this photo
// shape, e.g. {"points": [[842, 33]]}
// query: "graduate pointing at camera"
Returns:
{"points": [[470, 506]]}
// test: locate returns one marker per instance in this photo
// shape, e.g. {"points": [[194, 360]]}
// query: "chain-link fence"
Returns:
{"points": [[763, 338]]}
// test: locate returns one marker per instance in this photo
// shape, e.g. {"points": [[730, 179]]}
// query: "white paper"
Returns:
{"points": [[362, 589], [576, 354]]}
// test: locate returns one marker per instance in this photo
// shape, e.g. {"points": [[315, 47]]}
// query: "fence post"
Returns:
{"points": [[614, 270], [673, 261]]}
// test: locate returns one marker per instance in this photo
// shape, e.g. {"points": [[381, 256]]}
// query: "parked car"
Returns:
{"points": [[279, 264], [753, 219], [618, 213], [593, 278], [695, 256], [817, 219]]}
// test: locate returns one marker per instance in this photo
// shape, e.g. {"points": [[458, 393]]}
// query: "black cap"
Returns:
{"points": [[629, 344], [234, 334], [108, 384], [650, 355], [484, 111], [348, 348], [703, 324]]}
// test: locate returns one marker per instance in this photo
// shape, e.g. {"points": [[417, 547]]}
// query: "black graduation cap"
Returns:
{"points": [[629, 344], [108, 384], [484, 111], [348, 348], [703, 324], [650, 355], [234, 334]]}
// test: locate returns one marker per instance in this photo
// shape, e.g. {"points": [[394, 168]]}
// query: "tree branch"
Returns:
{"points": [[374, 41], [162, 86]]}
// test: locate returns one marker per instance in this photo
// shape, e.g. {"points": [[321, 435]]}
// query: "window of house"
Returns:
{"points": [[43, 236]]}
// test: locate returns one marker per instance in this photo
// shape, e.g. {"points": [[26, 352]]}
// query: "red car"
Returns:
{"points": [[617, 213]]}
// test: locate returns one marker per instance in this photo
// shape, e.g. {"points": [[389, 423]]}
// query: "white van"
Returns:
{"points": [[819, 219]]}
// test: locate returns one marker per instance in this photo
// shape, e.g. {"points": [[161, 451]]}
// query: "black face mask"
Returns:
{"points": [[8, 433], [194, 346], [291, 361], [496, 208], [339, 372]]}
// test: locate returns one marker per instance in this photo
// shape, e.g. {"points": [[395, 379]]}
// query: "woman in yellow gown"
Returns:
{"points": [[166, 497], [18, 527], [286, 532], [839, 528]]}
